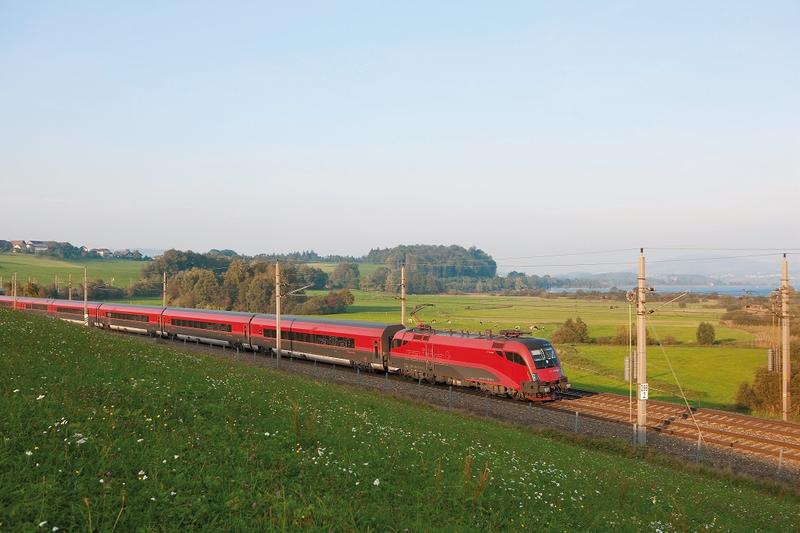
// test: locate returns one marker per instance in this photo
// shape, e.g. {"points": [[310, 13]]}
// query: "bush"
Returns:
{"points": [[572, 331], [621, 338], [743, 317], [764, 395], [705, 333]]}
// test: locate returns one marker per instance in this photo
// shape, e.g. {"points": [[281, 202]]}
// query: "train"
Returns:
{"points": [[505, 364]]}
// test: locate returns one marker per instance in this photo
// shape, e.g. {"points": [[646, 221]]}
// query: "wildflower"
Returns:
{"points": [[376, 482], [42, 523], [28, 453], [55, 528], [175, 456], [40, 397], [102, 480], [16, 390], [139, 440]]}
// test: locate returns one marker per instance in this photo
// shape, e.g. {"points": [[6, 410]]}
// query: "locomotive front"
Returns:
{"points": [[547, 375]]}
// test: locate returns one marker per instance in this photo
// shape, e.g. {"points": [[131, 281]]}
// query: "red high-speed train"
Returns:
{"points": [[507, 364]]}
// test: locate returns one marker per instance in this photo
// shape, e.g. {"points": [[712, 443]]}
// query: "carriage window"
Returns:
{"points": [[326, 340], [70, 310], [128, 316], [213, 326]]}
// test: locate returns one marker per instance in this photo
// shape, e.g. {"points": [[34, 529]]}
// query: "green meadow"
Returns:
{"points": [[102, 432], [43, 270]]}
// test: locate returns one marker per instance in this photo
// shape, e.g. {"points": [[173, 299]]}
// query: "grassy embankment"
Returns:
{"points": [[104, 432]]}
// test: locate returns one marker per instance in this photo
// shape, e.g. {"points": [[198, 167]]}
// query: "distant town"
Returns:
{"points": [[66, 250]]}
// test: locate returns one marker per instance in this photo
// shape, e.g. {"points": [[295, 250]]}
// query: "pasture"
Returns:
{"points": [[364, 269], [43, 269], [103, 432]]}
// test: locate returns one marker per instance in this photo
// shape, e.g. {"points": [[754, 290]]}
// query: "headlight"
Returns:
{"points": [[535, 378]]}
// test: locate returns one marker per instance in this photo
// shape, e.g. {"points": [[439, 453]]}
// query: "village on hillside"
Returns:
{"points": [[65, 250]]}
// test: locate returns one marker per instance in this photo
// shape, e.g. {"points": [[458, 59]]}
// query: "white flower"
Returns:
{"points": [[376, 482], [175, 456], [42, 523], [40, 397], [16, 390], [141, 472], [172, 493], [139, 440], [55, 528], [28, 453]]}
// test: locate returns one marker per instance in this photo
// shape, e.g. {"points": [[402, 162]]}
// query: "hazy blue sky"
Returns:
{"points": [[523, 128]]}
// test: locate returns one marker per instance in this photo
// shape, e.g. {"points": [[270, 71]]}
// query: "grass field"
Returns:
{"points": [[364, 269], [102, 432], [709, 376], [479, 311], [41, 269]]}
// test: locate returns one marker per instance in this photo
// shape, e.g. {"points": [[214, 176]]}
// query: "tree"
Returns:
{"points": [[345, 276], [705, 333], [376, 281], [572, 331]]}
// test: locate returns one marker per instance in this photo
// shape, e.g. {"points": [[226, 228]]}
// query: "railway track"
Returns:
{"points": [[762, 437]]}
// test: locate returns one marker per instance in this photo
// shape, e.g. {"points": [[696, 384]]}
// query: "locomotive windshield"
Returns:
{"points": [[544, 357]]}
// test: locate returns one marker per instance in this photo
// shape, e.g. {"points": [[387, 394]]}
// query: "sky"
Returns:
{"points": [[523, 128]]}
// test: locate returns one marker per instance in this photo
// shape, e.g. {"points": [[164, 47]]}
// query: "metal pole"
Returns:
{"points": [[403, 294], [786, 369], [641, 355], [69, 292], [15, 290], [631, 362], [85, 298], [278, 312], [164, 290]]}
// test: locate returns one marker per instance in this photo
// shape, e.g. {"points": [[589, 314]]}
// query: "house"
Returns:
{"points": [[38, 246], [102, 252], [18, 246]]}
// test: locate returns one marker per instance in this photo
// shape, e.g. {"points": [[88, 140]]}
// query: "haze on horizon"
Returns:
{"points": [[523, 129]]}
